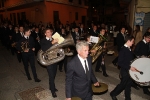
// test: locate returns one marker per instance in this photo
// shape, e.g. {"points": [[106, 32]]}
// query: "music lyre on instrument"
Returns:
{"points": [[103, 88], [142, 75]]}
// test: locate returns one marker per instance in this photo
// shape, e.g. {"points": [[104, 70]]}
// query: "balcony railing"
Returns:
{"points": [[68, 3], [23, 2]]}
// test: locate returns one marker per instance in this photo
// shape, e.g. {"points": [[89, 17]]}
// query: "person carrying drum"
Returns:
{"points": [[124, 59], [142, 50]]}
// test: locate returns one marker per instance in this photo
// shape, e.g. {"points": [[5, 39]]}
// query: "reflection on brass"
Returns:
{"points": [[24, 46]]}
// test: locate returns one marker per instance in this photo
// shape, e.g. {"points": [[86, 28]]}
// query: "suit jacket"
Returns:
{"points": [[45, 44], [142, 49], [120, 41], [74, 36], [125, 57], [18, 37], [96, 33], [77, 83]]}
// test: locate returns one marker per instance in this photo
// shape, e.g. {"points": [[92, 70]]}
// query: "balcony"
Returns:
{"points": [[21, 3]]}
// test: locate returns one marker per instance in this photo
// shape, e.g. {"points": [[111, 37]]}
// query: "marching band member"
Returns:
{"points": [[120, 42], [124, 59], [142, 49], [101, 58], [46, 43], [26, 47]]}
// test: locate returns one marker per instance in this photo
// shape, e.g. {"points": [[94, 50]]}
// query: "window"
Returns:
{"points": [[70, 0], [1, 17], [10, 16], [85, 2], [2, 5], [23, 16], [56, 16], [14, 18], [76, 16], [80, 2]]}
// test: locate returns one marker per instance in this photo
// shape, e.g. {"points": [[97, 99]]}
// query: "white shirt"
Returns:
{"points": [[27, 37], [47, 38], [21, 34], [144, 41], [127, 47], [83, 63]]}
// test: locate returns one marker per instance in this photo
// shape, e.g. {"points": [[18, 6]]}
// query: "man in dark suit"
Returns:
{"points": [[94, 31], [76, 34], [19, 36], [46, 43], [142, 49], [120, 42], [124, 60], [36, 38], [26, 47], [64, 61], [79, 74]]}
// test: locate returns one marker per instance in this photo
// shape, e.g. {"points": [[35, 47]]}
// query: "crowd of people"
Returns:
{"points": [[26, 40]]}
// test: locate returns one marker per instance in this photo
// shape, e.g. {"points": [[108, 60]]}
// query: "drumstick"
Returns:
{"points": [[139, 71]]}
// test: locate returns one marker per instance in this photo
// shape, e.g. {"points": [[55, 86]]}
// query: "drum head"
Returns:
{"points": [[75, 98], [101, 89], [143, 65]]}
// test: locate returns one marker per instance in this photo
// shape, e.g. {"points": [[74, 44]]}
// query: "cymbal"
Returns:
{"points": [[100, 89], [75, 98]]}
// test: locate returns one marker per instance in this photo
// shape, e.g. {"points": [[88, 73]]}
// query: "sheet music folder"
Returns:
{"points": [[59, 37]]}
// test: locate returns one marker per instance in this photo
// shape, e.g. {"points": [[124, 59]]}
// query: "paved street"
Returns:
{"points": [[13, 79]]}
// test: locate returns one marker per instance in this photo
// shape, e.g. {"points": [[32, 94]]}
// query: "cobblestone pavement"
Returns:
{"points": [[13, 80]]}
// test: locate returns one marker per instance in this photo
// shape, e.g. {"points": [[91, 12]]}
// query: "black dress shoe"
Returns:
{"points": [[136, 87], [98, 71], [54, 95], [115, 64], [29, 78], [56, 90], [37, 80], [113, 97], [105, 75], [60, 70], [147, 93]]}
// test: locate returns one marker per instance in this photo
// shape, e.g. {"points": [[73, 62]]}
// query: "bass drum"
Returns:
{"points": [[142, 76]]}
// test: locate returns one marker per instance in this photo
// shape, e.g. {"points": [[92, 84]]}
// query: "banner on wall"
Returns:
{"points": [[139, 18]]}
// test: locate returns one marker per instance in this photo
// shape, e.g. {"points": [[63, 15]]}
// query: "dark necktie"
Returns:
{"points": [[87, 71]]}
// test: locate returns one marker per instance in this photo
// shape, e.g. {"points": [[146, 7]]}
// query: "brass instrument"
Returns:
{"points": [[98, 48], [13, 44], [24, 46], [55, 53]]}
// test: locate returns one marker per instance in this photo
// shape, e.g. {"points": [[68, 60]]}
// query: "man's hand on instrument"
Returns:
{"points": [[26, 50], [33, 49], [93, 51], [68, 98], [96, 84], [133, 69], [55, 41]]}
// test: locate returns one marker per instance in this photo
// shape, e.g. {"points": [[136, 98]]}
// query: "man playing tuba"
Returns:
{"points": [[46, 43], [101, 58]]}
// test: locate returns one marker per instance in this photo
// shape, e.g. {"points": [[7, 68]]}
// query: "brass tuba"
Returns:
{"points": [[55, 53], [98, 48]]}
